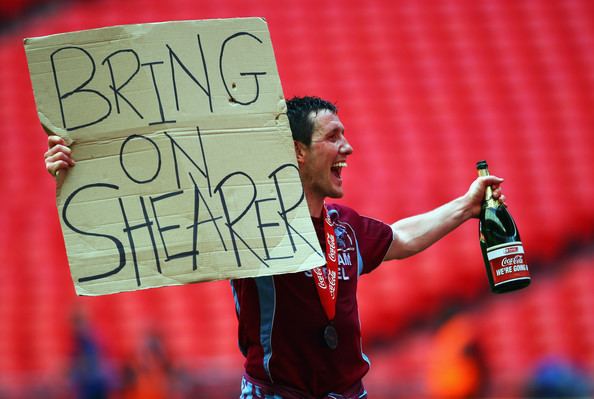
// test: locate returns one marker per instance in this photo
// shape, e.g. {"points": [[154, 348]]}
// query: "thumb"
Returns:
{"points": [[492, 180]]}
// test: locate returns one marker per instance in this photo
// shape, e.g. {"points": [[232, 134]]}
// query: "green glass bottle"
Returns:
{"points": [[501, 245]]}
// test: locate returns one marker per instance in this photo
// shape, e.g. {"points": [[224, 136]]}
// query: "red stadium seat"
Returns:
{"points": [[425, 89]]}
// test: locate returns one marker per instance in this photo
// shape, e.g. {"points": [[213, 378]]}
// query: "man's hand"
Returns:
{"points": [[476, 193], [58, 156]]}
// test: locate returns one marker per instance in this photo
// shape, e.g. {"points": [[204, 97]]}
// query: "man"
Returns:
{"points": [[300, 332]]}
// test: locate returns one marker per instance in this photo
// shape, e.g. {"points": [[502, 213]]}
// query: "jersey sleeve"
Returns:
{"points": [[373, 239]]}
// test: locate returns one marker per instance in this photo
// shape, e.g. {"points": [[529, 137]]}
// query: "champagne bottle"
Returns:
{"points": [[501, 245]]}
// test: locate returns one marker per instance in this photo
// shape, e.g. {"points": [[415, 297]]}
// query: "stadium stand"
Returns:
{"points": [[425, 89]]}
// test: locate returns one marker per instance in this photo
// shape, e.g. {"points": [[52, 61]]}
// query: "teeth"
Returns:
{"points": [[339, 165]]}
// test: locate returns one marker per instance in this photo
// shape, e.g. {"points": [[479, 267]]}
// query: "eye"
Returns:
{"points": [[334, 137]]}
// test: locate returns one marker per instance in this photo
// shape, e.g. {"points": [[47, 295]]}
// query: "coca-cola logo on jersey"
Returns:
{"points": [[509, 261]]}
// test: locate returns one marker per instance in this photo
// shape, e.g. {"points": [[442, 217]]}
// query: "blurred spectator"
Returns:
{"points": [[557, 378], [455, 367], [88, 370], [149, 374]]}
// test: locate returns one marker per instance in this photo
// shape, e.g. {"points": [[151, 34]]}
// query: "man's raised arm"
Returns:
{"points": [[416, 233]]}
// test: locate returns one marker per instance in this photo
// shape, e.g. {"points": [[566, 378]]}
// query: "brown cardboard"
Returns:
{"points": [[185, 164]]}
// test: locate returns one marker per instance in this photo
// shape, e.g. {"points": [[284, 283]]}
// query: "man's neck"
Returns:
{"points": [[315, 205]]}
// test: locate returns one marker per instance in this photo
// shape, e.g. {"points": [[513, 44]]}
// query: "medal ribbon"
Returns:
{"points": [[328, 286]]}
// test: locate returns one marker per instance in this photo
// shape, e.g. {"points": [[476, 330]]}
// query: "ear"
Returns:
{"points": [[300, 150]]}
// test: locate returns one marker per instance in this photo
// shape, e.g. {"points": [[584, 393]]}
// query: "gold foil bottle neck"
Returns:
{"points": [[484, 171]]}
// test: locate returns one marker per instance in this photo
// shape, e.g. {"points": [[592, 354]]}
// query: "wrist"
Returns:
{"points": [[468, 207]]}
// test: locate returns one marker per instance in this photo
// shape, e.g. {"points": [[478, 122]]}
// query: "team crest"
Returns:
{"points": [[343, 239]]}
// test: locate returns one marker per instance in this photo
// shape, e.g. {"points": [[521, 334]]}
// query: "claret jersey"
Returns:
{"points": [[281, 318]]}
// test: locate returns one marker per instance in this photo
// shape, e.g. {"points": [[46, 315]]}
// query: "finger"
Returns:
{"points": [[57, 162], [492, 180], [54, 167], [59, 148], [54, 140], [69, 162], [60, 156]]}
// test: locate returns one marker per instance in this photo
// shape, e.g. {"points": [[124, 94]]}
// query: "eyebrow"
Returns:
{"points": [[337, 127]]}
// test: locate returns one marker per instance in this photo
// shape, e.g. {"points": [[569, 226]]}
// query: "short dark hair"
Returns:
{"points": [[298, 111]]}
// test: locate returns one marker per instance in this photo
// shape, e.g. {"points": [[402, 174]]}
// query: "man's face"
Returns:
{"points": [[320, 164]]}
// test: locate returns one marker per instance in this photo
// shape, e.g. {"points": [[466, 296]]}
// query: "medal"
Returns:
{"points": [[331, 337], [327, 286]]}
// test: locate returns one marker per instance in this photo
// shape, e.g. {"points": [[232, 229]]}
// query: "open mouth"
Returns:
{"points": [[336, 168]]}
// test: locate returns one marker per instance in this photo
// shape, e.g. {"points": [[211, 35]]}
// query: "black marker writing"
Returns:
{"points": [[216, 219], [165, 89]]}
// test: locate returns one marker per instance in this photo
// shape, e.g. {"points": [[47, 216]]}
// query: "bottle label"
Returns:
{"points": [[507, 262]]}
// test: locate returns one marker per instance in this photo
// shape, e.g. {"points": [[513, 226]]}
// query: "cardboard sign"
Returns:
{"points": [[185, 168]]}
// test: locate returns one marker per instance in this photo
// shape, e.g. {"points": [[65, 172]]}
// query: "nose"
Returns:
{"points": [[345, 147]]}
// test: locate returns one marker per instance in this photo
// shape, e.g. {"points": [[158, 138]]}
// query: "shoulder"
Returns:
{"points": [[342, 211], [363, 224]]}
